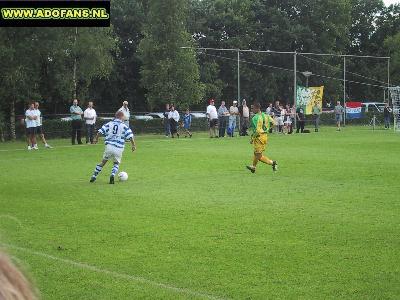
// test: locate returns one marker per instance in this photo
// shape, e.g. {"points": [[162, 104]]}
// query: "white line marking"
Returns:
{"points": [[10, 217], [152, 140], [116, 274], [44, 149]]}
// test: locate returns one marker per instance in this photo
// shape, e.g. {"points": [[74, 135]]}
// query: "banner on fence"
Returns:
{"points": [[353, 110], [307, 97]]}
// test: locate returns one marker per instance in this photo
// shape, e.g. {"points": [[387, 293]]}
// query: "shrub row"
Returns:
{"points": [[62, 129]]}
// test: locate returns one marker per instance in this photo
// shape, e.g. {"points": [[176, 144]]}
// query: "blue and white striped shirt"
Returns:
{"points": [[116, 133]]}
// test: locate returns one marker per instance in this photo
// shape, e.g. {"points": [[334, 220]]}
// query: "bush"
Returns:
{"points": [[62, 129]]}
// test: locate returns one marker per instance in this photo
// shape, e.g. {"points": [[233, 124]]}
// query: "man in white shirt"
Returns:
{"points": [[233, 113], [245, 117], [126, 112], [212, 116], [39, 126], [30, 122], [268, 111], [90, 120], [173, 118]]}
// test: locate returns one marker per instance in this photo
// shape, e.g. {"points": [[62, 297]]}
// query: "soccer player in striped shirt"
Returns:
{"points": [[260, 124], [116, 132]]}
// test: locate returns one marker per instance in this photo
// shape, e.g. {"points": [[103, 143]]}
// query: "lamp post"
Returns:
{"points": [[307, 74]]}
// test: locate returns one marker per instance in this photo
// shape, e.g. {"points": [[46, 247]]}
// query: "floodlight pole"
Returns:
{"points": [[238, 76], [307, 75], [388, 80], [388, 73], [344, 89], [295, 87]]}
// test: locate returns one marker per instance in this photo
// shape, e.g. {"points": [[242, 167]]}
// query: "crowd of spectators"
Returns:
{"points": [[223, 121], [174, 125], [33, 123]]}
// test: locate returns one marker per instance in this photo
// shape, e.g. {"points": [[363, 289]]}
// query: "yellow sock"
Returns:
{"points": [[266, 160], [255, 161]]}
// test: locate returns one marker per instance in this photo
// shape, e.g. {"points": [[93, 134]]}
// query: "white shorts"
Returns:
{"points": [[113, 152], [288, 121], [279, 121]]}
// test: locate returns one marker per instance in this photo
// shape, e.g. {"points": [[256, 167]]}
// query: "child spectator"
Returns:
{"points": [[187, 122]]}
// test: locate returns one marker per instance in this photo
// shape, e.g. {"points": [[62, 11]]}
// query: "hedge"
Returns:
{"points": [[61, 129]]}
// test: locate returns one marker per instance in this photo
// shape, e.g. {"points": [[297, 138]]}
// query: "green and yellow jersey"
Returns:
{"points": [[260, 124]]}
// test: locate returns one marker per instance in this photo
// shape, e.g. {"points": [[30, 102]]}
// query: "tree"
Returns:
{"points": [[307, 25], [19, 70], [70, 59], [169, 74], [124, 81], [392, 44]]}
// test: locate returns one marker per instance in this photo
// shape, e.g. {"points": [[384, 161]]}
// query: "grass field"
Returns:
{"points": [[192, 223]]}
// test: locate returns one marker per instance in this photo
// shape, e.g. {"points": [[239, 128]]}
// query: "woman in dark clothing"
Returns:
{"points": [[300, 120]]}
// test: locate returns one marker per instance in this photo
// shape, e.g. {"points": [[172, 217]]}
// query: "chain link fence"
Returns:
{"points": [[58, 126]]}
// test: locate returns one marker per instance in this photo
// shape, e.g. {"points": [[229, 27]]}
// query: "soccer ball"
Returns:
{"points": [[123, 176]]}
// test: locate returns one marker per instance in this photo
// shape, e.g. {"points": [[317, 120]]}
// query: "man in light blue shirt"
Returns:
{"points": [[76, 117], [223, 116]]}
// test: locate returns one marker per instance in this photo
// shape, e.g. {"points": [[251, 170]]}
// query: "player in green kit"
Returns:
{"points": [[260, 125]]}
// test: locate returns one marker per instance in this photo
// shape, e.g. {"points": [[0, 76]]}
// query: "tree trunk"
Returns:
{"points": [[74, 78], [75, 65], [2, 139], [12, 121]]}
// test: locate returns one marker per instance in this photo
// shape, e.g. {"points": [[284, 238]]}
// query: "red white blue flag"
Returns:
{"points": [[353, 110]]}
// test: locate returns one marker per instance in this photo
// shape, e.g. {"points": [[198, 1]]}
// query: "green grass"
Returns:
{"points": [[192, 223]]}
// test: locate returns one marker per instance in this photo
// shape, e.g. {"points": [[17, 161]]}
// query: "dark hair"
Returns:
{"points": [[257, 105]]}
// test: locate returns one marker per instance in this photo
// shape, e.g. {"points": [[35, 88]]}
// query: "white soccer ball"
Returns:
{"points": [[123, 176]]}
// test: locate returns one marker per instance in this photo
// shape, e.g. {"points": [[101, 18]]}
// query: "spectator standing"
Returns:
{"points": [[339, 110], [386, 114], [316, 111], [300, 120], [212, 116], [287, 122], [90, 120], [30, 122], [187, 122], [173, 117], [293, 114], [223, 116], [127, 113], [245, 118], [269, 109], [39, 125], [166, 121], [233, 113], [76, 116], [277, 116], [270, 112]]}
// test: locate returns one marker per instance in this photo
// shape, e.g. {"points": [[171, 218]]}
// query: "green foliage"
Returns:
{"points": [[93, 50], [128, 19], [19, 65], [38, 63], [267, 25], [169, 73], [393, 46]]}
